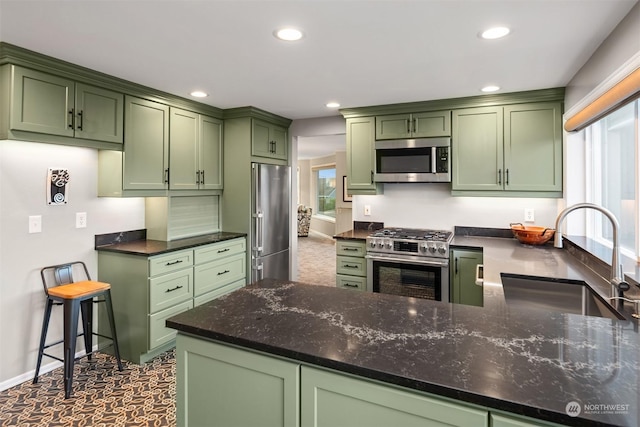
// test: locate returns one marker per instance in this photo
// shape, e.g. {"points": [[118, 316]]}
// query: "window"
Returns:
{"points": [[326, 191], [612, 177]]}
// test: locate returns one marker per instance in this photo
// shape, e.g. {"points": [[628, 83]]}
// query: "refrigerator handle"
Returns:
{"points": [[260, 270], [258, 232]]}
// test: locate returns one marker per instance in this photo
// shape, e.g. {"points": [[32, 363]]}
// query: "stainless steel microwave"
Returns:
{"points": [[413, 160]]}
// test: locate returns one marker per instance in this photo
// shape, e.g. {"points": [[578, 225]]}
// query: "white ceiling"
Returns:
{"points": [[356, 52]]}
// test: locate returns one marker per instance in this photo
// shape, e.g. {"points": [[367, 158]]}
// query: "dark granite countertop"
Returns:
{"points": [[146, 247], [353, 235], [524, 362]]}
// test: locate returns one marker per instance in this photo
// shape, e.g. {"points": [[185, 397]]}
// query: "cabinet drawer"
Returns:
{"points": [[351, 266], [351, 248], [216, 274], [216, 251], [223, 290], [170, 289], [355, 283], [170, 262], [158, 332]]}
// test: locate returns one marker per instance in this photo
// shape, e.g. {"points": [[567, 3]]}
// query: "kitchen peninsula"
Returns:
{"points": [[312, 355]]}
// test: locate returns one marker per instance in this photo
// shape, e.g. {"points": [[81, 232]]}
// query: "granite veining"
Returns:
{"points": [[523, 361], [148, 247]]}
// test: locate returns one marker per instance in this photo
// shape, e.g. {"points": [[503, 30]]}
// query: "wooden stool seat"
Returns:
{"points": [[78, 289], [77, 299]]}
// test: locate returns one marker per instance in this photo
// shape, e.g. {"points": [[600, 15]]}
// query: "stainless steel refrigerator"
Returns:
{"points": [[270, 207]]}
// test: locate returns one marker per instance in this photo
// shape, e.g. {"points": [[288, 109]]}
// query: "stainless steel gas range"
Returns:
{"points": [[409, 262]]}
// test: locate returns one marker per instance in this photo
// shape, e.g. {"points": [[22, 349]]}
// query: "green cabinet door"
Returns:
{"points": [[512, 420], [195, 151], [41, 102], [183, 150], [218, 385], [146, 145], [416, 125], [48, 104], [210, 153], [361, 156], [268, 140], [533, 147], [477, 149], [464, 289], [99, 114], [329, 399]]}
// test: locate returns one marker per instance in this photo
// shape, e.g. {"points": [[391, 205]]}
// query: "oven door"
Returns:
{"points": [[408, 275]]}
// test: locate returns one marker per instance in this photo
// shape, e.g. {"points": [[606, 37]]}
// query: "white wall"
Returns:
{"points": [[432, 206], [23, 171]]}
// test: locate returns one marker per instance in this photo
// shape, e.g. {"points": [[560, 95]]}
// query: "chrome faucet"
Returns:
{"points": [[618, 285]]}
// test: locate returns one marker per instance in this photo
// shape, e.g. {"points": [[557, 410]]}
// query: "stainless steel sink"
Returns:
{"points": [[565, 296]]}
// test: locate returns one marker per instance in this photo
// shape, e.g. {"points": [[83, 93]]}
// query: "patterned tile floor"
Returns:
{"points": [[102, 396], [140, 395]]}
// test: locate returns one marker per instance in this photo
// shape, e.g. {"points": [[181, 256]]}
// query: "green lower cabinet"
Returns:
{"points": [[463, 265], [218, 385], [499, 420], [330, 399], [351, 265]]}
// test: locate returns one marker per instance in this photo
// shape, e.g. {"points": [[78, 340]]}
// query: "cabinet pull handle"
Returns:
{"points": [[223, 250], [408, 126], [506, 177], [178, 261], [499, 176], [197, 177], [350, 285], [456, 266], [350, 266], [71, 119], [415, 125], [173, 289], [350, 249], [80, 120], [166, 176], [223, 272], [202, 177], [372, 177]]}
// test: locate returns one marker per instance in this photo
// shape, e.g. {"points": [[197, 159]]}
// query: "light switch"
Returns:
{"points": [[367, 210], [35, 224]]}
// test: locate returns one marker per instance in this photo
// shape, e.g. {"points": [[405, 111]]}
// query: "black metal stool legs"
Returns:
{"points": [[86, 308], [112, 323], [71, 314], [43, 337]]}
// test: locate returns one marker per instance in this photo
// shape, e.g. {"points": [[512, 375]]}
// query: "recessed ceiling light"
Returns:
{"points": [[495, 33], [490, 88], [199, 94], [332, 105], [288, 34]]}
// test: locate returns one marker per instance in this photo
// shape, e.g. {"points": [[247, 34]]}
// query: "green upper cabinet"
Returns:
{"points": [[48, 104], [510, 150], [415, 125], [477, 155], [146, 145], [268, 140], [464, 289], [533, 147], [361, 156], [195, 151]]}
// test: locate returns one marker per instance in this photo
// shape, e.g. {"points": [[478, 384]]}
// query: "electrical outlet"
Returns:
{"points": [[528, 215], [367, 210], [35, 224], [81, 219]]}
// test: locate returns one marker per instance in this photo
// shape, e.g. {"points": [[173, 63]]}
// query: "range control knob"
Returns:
{"points": [[432, 248], [380, 244], [442, 250], [424, 247], [389, 244], [372, 243]]}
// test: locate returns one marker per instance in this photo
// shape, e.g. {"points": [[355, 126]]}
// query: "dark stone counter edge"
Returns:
{"points": [[141, 247], [436, 389]]}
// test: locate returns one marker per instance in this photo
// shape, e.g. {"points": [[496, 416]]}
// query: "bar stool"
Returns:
{"points": [[75, 297]]}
